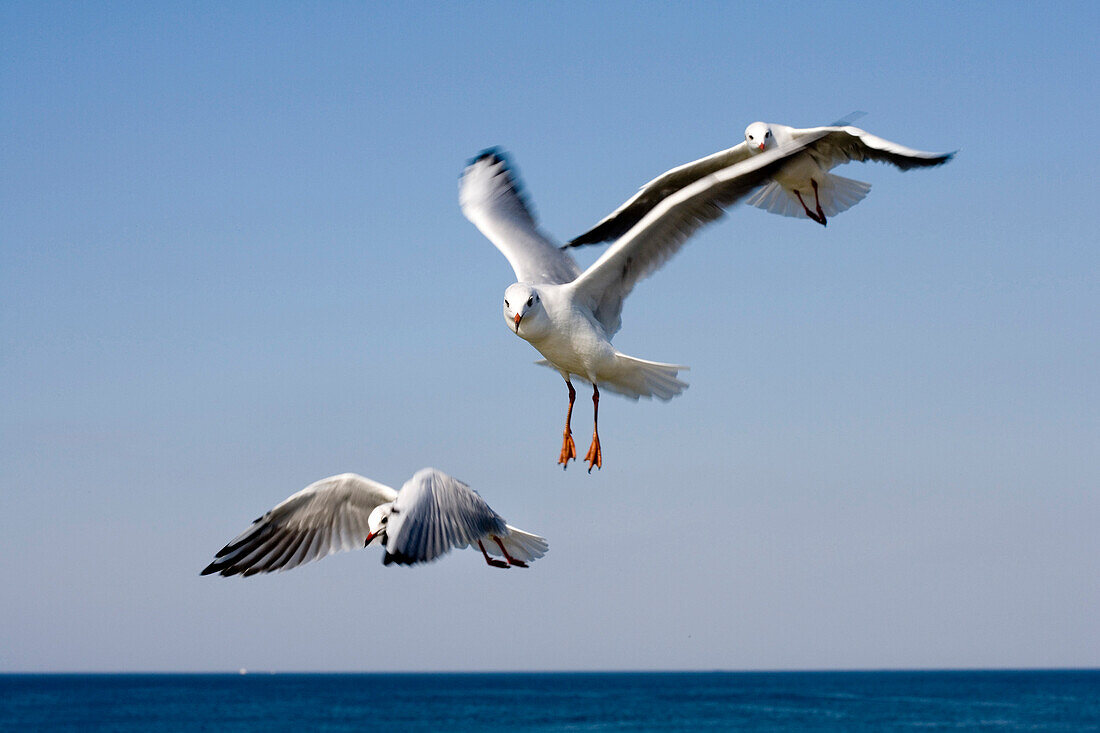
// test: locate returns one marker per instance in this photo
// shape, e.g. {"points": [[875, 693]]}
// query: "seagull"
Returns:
{"points": [[432, 514], [569, 316], [806, 179]]}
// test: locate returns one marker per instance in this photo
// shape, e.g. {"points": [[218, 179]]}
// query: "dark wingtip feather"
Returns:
{"points": [[932, 162], [609, 230], [399, 558], [210, 569], [582, 240], [497, 155], [493, 154]]}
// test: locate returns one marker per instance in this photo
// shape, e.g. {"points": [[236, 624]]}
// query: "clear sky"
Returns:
{"points": [[232, 262]]}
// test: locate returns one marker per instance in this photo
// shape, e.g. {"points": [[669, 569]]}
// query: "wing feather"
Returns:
{"points": [[833, 146], [303, 528], [662, 232], [491, 197], [435, 513], [619, 221]]}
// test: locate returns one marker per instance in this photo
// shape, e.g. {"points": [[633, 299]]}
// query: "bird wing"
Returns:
{"points": [[492, 198], [619, 221], [661, 232], [833, 146], [433, 514], [327, 516]]}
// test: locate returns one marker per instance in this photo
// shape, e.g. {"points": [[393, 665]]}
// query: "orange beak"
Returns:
{"points": [[517, 319], [761, 147]]}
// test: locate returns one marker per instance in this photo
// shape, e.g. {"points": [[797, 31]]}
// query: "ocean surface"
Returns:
{"points": [[675, 701]]}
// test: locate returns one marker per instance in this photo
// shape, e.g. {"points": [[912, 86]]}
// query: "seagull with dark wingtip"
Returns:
{"points": [[431, 515], [791, 192], [569, 316]]}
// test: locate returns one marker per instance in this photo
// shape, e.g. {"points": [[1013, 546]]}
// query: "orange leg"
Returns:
{"points": [[568, 447], [491, 561], [594, 456], [511, 560]]}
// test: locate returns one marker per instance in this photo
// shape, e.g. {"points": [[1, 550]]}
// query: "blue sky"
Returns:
{"points": [[232, 262]]}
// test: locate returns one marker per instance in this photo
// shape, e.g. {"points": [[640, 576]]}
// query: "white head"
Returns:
{"points": [[523, 309], [759, 137], [377, 522]]}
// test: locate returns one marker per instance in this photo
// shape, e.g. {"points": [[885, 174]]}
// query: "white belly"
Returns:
{"points": [[577, 346], [796, 175]]}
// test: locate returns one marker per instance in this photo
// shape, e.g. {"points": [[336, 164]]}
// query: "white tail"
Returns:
{"points": [[636, 378], [521, 545], [835, 193]]}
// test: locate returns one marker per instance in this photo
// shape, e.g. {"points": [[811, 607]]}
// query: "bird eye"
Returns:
{"points": [[768, 133], [750, 137], [530, 301], [506, 303]]}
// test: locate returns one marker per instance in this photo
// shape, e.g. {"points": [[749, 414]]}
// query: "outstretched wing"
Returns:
{"points": [[833, 146], [325, 517], [619, 221], [491, 197], [433, 514], [661, 232]]}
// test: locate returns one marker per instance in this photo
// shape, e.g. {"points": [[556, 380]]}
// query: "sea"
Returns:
{"points": [[1054, 700]]}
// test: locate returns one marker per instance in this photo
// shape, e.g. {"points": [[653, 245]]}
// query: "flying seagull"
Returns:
{"points": [[569, 316], [432, 514], [805, 181]]}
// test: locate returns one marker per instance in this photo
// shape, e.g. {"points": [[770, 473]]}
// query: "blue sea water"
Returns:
{"points": [[688, 701]]}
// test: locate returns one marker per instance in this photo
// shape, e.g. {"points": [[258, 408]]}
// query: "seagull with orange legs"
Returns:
{"points": [[570, 316], [806, 180], [431, 515]]}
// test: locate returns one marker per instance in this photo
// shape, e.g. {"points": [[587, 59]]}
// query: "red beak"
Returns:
{"points": [[761, 147], [517, 319], [370, 536]]}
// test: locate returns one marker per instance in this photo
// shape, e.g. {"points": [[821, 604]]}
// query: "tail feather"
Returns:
{"points": [[839, 194], [835, 193], [521, 545], [636, 378], [775, 199], [641, 378]]}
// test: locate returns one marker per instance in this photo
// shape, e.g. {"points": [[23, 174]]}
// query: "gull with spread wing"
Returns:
{"points": [[569, 316], [805, 179], [431, 515]]}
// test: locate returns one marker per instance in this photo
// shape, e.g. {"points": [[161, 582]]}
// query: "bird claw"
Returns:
{"points": [[517, 563], [498, 564], [594, 456]]}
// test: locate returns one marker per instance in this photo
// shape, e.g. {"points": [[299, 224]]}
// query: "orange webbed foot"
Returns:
{"points": [[568, 449], [594, 456]]}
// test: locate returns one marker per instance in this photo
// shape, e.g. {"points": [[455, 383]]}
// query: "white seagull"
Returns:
{"points": [[805, 180], [432, 514], [570, 316]]}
